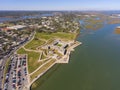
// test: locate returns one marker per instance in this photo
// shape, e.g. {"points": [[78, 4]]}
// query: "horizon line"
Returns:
{"points": [[62, 10]]}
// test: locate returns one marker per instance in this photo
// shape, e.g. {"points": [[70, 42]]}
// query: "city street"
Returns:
{"points": [[4, 60]]}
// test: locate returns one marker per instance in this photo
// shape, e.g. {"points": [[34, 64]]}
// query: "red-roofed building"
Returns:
{"points": [[5, 29]]}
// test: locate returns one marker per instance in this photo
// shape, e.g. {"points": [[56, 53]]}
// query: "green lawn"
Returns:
{"points": [[45, 36], [46, 51], [43, 56], [33, 58], [66, 36], [7, 64], [6, 68], [62, 35], [45, 67], [34, 44], [59, 45]]}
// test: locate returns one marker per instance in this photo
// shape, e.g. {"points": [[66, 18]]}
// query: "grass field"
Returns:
{"points": [[41, 70], [43, 56], [34, 44], [46, 51], [33, 58], [62, 35], [6, 68], [7, 64]]}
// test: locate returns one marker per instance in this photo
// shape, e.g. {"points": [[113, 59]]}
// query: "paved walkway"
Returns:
{"points": [[41, 74], [39, 67], [32, 50]]}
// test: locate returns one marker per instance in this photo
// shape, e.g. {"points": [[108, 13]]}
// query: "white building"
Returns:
{"points": [[17, 27]]}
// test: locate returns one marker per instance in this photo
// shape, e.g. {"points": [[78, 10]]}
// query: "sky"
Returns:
{"points": [[59, 4]]}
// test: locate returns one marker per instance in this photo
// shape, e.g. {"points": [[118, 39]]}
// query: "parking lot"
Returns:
{"points": [[16, 77]]}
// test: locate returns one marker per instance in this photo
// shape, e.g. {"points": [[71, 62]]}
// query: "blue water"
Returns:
{"points": [[95, 65], [3, 19]]}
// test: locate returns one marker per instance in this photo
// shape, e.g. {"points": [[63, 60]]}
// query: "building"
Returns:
{"points": [[17, 27], [118, 27]]}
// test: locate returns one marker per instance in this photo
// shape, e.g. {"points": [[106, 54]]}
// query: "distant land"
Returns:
{"points": [[59, 50]]}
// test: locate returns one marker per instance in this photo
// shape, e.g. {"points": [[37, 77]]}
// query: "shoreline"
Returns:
{"points": [[40, 75], [66, 57], [64, 60]]}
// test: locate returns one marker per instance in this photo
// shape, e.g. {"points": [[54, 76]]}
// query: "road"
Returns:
{"points": [[2, 72], [3, 63]]}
